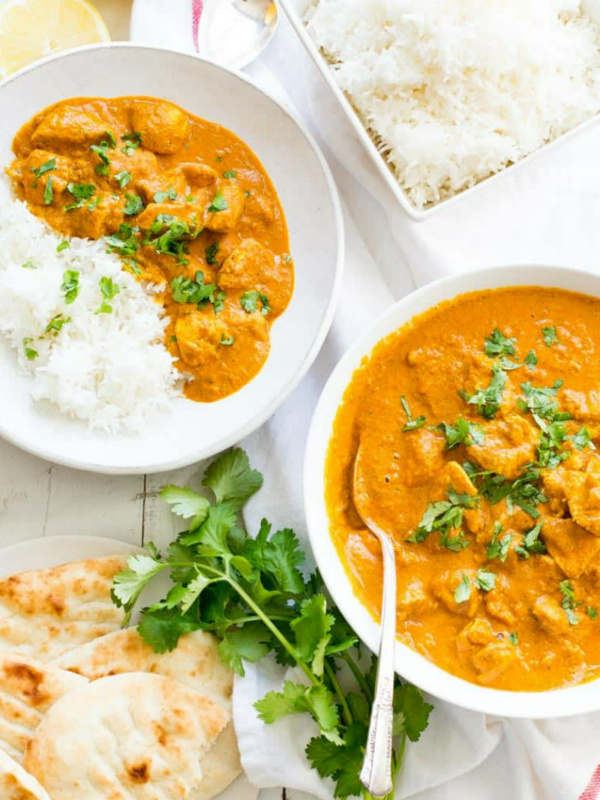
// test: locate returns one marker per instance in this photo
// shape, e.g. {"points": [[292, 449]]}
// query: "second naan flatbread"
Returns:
{"points": [[46, 612]]}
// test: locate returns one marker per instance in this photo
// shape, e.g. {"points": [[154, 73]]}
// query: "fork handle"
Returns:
{"points": [[376, 773]]}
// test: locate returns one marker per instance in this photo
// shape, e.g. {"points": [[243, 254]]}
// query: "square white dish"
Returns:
{"points": [[295, 11]]}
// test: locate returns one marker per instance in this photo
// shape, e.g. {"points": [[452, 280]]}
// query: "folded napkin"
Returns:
{"points": [[547, 213]]}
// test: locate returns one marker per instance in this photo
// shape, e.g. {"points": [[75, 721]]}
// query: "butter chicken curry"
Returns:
{"points": [[478, 425], [186, 204]]}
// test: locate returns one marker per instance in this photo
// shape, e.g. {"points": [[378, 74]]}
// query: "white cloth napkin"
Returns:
{"points": [[547, 213]]}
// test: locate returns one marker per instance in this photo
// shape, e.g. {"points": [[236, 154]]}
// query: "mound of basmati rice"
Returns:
{"points": [[111, 369], [455, 90]]}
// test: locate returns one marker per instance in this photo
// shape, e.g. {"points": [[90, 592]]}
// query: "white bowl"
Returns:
{"points": [[309, 198], [409, 664]]}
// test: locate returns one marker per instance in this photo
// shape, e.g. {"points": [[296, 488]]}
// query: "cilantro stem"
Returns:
{"points": [[360, 679], [338, 690], [273, 628]]}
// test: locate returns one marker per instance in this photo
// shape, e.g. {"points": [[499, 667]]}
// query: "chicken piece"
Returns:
{"points": [[551, 616], [252, 266], [553, 481], [424, 457], [509, 444], [444, 589], [477, 632], [500, 604], [197, 176], [68, 130], [454, 475], [493, 660], [582, 490], [200, 335], [34, 186], [412, 600], [571, 546], [104, 219], [164, 128], [260, 207], [584, 406], [168, 213], [227, 219]]}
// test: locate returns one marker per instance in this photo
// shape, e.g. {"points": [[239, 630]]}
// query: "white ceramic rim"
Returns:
{"points": [[409, 664], [239, 433], [380, 162]]}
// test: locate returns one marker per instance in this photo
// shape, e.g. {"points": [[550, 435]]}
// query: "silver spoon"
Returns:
{"points": [[234, 32], [376, 773]]}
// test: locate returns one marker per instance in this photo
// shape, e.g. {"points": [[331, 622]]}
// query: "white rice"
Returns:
{"points": [[111, 369], [455, 90]]}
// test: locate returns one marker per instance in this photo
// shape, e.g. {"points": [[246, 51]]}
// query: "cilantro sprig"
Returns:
{"points": [[255, 596]]}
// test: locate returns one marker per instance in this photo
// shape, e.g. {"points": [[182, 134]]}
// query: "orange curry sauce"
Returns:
{"points": [[186, 204], [499, 583]]}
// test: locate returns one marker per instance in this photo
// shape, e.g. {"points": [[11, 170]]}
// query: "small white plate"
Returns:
{"points": [[55, 550], [309, 198]]}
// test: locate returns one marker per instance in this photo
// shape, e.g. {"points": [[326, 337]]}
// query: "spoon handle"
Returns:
{"points": [[376, 773]]}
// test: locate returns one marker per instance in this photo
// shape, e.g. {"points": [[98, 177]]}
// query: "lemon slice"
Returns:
{"points": [[34, 29]]}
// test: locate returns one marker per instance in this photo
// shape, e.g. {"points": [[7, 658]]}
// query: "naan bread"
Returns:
{"points": [[27, 690], [125, 737], [44, 613], [16, 783], [195, 662]]}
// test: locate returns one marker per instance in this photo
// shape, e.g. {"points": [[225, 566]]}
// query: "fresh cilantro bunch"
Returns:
{"points": [[253, 594]]}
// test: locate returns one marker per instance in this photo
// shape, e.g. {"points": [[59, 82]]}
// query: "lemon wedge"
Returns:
{"points": [[34, 29]]}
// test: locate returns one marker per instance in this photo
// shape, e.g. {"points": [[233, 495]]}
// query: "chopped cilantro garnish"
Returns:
{"points": [[211, 253], [486, 581], [133, 141], [230, 174], [550, 337], [109, 290], [81, 192], [101, 150], [463, 432], [249, 302], [170, 194], [412, 424], [523, 492], [219, 203], [186, 290], [568, 601], [56, 324], [173, 242], [591, 612], [123, 242], [28, 265], [541, 402], [499, 547], [531, 544], [227, 341], [122, 178], [134, 204], [444, 517], [582, 439], [30, 353], [48, 192], [70, 285], [513, 638], [463, 591], [47, 166], [497, 344], [531, 360], [64, 245], [488, 400]]}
